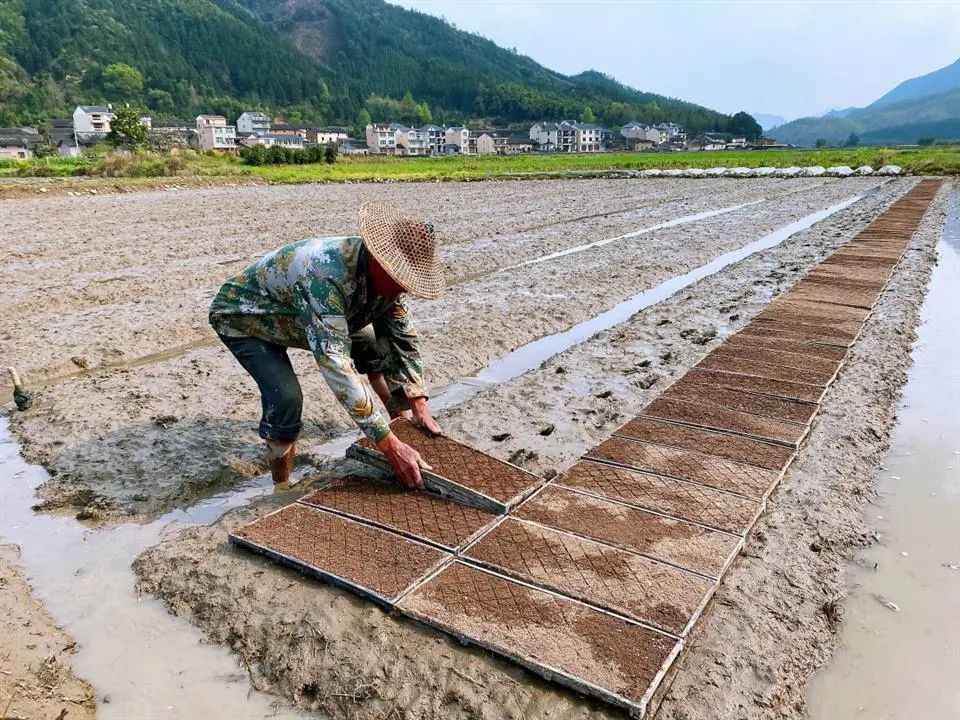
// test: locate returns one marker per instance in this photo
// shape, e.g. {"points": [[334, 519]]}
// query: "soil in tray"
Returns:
{"points": [[617, 580], [797, 332], [854, 298], [849, 274], [776, 408], [828, 311], [729, 447], [799, 347], [727, 363], [826, 368], [682, 500], [543, 630], [714, 417], [844, 328], [687, 465], [464, 465], [826, 279], [677, 542], [760, 385], [417, 513], [313, 540]]}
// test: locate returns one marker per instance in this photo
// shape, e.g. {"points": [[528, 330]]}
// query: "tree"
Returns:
{"points": [[423, 113], [853, 140], [363, 119], [126, 129], [330, 154], [161, 101], [122, 80], [821, 143], [744, 125], [587, 115], [926, 140]]}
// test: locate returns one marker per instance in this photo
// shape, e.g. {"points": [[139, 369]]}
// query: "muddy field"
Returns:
{"points": [[140, 412]]}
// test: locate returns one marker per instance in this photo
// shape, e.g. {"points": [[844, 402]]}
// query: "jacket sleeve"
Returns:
{"points": [[406, 365], [329, 339]]}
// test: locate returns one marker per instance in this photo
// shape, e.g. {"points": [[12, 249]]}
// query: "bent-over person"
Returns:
{"points": [[342, 298]]}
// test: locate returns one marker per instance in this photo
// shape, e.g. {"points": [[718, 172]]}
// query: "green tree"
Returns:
{"points": [[821, 143], [423, 113], [587, 115], [122, 81], [926, 140], [126, 129], [744, 125], [161, 101], [330, 154], [853, 140], [363, 119]]}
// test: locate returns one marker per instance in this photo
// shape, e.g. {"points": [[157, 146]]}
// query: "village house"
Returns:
{"points": [[638, 132], [411, 141], [251, 122], [92, 120], [382, 138], [353, 147], [292, 142], [708, 142], [567, 136], [331, 135], [215, 134], [17, 143], [457, 140], [492, 142], [518, 145], [436, 138], [288, 129], [671, 132]]}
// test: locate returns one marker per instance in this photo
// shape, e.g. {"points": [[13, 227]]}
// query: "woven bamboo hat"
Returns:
{"points": [[406, 248]]}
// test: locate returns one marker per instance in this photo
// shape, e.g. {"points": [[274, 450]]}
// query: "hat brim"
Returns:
{"points": [[380, 224]]}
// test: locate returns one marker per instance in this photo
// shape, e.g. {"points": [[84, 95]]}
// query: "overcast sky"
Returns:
{"points": [[778, 57]]}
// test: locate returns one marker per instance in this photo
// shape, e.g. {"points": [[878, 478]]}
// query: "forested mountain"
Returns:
{"points": [[323, 61], [928, 106]]}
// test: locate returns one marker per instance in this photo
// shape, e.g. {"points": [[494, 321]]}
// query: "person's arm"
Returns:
{"points": [[407, 367], [329, 340]]}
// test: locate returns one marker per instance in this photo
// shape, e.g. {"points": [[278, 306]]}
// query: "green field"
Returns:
{"points": [[937, 160]]}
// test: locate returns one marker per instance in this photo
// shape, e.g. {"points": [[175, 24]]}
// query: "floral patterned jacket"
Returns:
{"points": [[312, 294]]}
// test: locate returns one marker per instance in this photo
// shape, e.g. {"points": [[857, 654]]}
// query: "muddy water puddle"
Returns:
{"points": [[900, 645], [151, 664], [143, 662]]}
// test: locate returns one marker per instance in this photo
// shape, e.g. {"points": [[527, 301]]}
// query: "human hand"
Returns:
{"points": [[422, 417], [405, 461]]}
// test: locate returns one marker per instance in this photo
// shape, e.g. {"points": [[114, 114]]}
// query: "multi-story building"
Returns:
{"points": [[17, 143], [253, 121], [640, 133], [293, 142], [300, 131], [457, 140], [92, 119], [330, 135], [567, 136], [436, 138], [382, 138], [492, 142], [411, 141], [214, 133], [671, 132]]}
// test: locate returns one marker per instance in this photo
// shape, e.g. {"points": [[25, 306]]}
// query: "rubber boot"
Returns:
{"points": [[280, 456]]}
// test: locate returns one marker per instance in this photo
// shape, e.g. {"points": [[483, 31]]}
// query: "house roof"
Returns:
{"points": [[94, 108], [519, 140], [333, 129], [19, 137]]}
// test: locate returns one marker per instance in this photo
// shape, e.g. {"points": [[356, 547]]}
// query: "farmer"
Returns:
{"points": [[343, 299]]}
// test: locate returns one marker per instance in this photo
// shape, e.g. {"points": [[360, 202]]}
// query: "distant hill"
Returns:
{"points": [[768, 121], [313, 60], [928, 106], [938, 81]]}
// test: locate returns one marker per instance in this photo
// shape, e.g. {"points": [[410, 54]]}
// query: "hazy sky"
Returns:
{"points": [[782, 58]]}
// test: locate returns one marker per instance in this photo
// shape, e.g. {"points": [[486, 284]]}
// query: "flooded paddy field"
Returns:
{"points": [[146, 427]]}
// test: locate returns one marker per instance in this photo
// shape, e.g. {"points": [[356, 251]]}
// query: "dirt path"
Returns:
{"points": [[766, 632], [36, 680], [180, 426]]}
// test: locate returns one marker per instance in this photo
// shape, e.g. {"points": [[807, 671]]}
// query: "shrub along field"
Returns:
{"points": [[935, 160]]}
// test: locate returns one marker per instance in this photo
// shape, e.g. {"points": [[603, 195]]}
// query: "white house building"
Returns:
{"points": [[671, 132], [253, 122], [436, 138], [411, 141], [459, 137], [293, 142], [639, 132], [567, 136], [328, 135], [214, 133], [382, 138], [17, 143], [92, 119]]}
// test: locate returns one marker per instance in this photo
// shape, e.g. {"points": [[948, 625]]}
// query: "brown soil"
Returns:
{"points": [[36, 679], [752, 383], [543, 629], [733, 363], [463, 465], [698, 467], [660, 538], [823, 312], [614, 579], [811, 349], [826, 367], [777, 408], [713, 417], [682, 500], [794, 331], [373, 559], [420, 514], [744, 450]]}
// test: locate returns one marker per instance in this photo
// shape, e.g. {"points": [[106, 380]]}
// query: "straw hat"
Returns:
{"points": [[406, 248]]}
